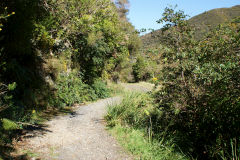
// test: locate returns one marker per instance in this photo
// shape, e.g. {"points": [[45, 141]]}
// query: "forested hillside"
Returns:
{"points": [[202, 23], [57, 53]]}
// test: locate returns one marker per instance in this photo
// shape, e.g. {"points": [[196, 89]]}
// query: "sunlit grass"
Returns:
{"points": [[134, 141]]}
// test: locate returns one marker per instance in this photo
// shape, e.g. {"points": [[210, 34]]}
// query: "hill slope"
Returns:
{"points": [[203, 23]]}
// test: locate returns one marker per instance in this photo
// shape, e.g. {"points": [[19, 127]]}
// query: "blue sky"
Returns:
{"points": [[145, 13]]}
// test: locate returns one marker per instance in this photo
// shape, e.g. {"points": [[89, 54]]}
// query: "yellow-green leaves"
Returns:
{"points": [[9, 125], [147, 112], [12, 86]]}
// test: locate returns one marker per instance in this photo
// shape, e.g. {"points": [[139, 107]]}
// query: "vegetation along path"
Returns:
{"points": [[81, 135]]}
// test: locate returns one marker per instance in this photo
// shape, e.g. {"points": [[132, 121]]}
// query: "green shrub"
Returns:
{"points": [[71, 90]]}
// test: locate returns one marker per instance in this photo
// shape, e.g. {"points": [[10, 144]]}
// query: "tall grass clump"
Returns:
{"points": [[132, 111], [133, 123]]}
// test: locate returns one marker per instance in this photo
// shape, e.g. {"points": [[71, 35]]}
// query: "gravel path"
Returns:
{"points": [[139, 87], [78, 136], [81, 136]]}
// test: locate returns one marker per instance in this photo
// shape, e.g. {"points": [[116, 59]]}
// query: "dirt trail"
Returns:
{"points": [[79, 136]]}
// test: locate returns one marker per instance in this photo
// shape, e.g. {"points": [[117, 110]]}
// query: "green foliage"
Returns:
{"points": [[98, 36], [12, 86], [118, 68], [200, 89], [136, 142], [54, 53], [42, 39]]}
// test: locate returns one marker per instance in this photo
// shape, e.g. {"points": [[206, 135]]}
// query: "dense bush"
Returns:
{"points": [[98, 36], [41, 39], [6, 106], [9, 112], [44, 38], [147, 65], [70, 90], [199, 96]]}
